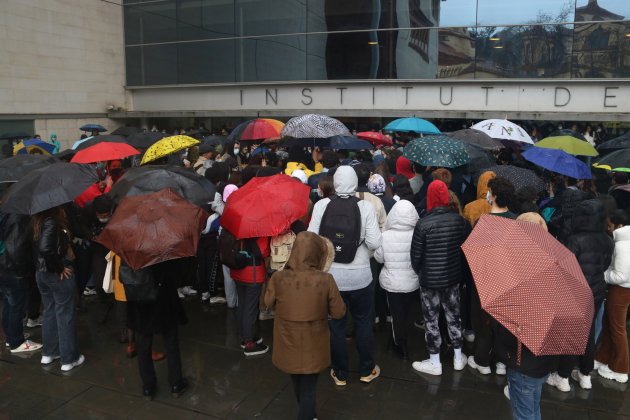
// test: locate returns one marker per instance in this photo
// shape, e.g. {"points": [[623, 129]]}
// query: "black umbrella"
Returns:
{"points": [[126, 131], [480, 159], [618, 143], [151, 178], [144, 140], [198, 134], [93, 127], [214, 140], [16, 167], [109, 138], [66, 155], [567, 132], [519, 177], [477, 138], [616, 161], [334, 142], [48, 187]]}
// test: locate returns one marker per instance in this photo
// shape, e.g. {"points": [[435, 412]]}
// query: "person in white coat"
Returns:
{"points": [[398, 278]]}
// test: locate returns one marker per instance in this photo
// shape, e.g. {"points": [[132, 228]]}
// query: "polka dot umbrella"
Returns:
{"points": [[167, 146], [440, 151]]}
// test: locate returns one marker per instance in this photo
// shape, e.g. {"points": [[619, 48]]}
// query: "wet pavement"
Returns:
{"points": [[224, 384]]}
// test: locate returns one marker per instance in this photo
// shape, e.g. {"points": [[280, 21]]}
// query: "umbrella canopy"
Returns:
{"points": [[33, 146], [153, 228], [567, 132], [440, 151], [618, 161], [558, 161], [503, 129], [197, 133], [531, 284], [214, 140], [314, 126], [126, 131], [104, 151], [257, 129], [569, 144], [65, 155], [167, 146], [79, 142], [51, 186], [480, 159], [91, 141], [618, 143], [149, 179], [335, 142], [376, 138], [16, 167], [93, 127], [412, 125], [476, 137], [519, 177], [265, 206], [144, 140]]}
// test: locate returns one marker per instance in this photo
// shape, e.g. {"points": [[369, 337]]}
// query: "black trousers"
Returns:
{"points": [[482, 325], [247, 309], [305, 386], [144, 348], [380, 300], [399, 304], [34, 300]]}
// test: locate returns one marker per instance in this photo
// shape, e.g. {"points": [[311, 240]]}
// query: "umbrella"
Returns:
{"points": [[265, 207], [33, 146], [531, 284], [12, 135], [376, 138], [144, 140], [149, 179], [314, 126], [214, 140], [93, 127], [167, 146], [621, 142], [79, 142], [126, 131], [16, 167], [65, 155], [154, 228], [439, 151], [567, 132], [257, 129], [48, 187], [569, 144], [618, 161], [558, 161], [198, 133], [412, 125], [335, 142], [519, 177], [91, 141], [476, 137], [479, 158], [503, 129], [104, 151]]}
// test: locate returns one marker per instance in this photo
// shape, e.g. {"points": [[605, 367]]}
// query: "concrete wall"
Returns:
{"points": [[67, 129]]}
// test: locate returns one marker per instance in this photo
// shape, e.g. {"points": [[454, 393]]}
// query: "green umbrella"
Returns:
{"points": [[618, 161], [569, 144], [440, 151]]}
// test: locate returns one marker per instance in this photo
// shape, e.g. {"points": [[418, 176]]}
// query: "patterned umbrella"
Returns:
{"points": [[531, 284], [569, 144], [476, 137], [503, 129], [412, 125], [440, 151], [519, 177], [558, 161], [257, 129], [314, 126], [618, 161], [33, 147], [167, 146]]}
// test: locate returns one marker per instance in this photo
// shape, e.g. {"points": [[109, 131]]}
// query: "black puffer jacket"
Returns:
{"points": [[52, 247], [560, 224], [436, 253], [17, 258], [591, 245]]}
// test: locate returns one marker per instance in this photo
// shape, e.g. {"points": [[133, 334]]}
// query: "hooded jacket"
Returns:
{"points": [[17, 259], [619, 271], [474, 209], [621, 194], [304, 296], [591, 245], [397, 275], [292, 166]]}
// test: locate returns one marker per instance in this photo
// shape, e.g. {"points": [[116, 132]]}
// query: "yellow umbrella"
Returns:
{"points": [[167, 146], [569, 144], [33, 147]]}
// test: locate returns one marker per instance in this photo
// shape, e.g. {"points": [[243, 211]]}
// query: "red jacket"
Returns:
{"points": [[250, 274]]}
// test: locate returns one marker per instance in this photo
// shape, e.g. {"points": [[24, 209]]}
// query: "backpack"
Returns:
{"points": [[281, 247], [238, 254], [140, 286], [341, 223]]}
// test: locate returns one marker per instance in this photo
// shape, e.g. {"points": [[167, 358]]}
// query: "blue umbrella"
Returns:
{"points": [[558, 161], [27, 146], [93, 127], [412, 125], [78, 142]]}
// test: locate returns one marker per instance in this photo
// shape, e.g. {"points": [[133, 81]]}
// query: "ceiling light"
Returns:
{"points": [[373, 43], [498, 46], [494, 38]]}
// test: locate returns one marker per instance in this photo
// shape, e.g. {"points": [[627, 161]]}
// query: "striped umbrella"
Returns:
{"points": [[314, 126]]}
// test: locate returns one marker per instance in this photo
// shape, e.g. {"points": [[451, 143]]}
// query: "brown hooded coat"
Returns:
{"points": [[474, 209], [304, 295]]}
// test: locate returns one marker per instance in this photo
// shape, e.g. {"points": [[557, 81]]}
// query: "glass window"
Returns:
{"points": [[601, 50], [596, 10], [153, 22], [205, 19], [502, 12], [349, 14], [206, 62], [133, 65], [160, 64], [458, 13], [271, 58], [268, 17], [456, 53]]}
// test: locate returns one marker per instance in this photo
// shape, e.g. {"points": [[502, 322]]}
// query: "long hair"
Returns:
{"points": [[454, 203], [58, 214]]}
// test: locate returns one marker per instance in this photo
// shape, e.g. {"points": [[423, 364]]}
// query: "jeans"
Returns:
{"points": [[599, 320], [58, 328], [360, 304], [304, 386], [525, 394], [14, 292], [230, 288]]}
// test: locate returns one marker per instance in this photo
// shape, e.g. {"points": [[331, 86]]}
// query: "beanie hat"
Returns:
{"points": [[376, 184], [437, 195], [403, 167]]}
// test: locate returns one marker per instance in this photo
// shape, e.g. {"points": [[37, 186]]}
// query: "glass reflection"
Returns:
{"points": [[458, 13], [270, 59], [501, 12], [601, 50], [456, 56], [205, 19], [598, 10]]}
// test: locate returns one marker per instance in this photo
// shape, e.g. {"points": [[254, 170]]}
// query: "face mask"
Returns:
{"points": [[236, 151], [103, 220], [320, 193], [488, 199]]}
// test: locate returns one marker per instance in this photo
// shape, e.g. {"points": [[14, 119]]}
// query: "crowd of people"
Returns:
{"points": [[380, 243]]}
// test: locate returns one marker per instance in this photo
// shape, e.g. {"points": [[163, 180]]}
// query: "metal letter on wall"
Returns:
{"points": [[450, 101], [607, 96], [555, 98], [269, 95], [304, 93]]}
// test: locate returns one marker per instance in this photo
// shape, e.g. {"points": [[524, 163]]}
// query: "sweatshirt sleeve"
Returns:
{"points": [[316, 218], [373, 236]]}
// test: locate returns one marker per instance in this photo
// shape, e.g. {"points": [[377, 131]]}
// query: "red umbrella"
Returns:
{"points": [[104, 151], [153, 228], [531, 284], [377, 139], [265, 207], [257, 129]]}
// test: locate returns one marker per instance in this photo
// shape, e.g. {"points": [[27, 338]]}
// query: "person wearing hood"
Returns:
{"points": [[437, 258], [304, 296], [397, 278], [474, 210], [297, 159], [593, 249], [55, 142], [330, 161], [620, 190], [355, 283]]}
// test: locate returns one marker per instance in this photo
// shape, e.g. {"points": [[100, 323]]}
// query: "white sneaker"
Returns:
{"points": [[26, 336], [460, 364], [266, 315], [562, 384], [501, 369], [506, 391], [180, 294], [605, 372], [217, 300], [33, 323], [598, 364], [583, 380], [46, 360], [427, 367], [70, 366], [188, 291], [469, 336], [484, 370], [27, 346], [205, 296]]}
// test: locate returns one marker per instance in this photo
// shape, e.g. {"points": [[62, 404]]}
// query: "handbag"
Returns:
{"points": [[108, 280], [140, 286]]}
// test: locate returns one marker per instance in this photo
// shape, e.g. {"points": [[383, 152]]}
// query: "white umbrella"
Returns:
{"points": [[504, 130]]}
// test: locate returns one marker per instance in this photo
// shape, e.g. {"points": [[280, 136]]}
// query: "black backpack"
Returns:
{"points": [[140, 285], [341, 223], [238, 254]]}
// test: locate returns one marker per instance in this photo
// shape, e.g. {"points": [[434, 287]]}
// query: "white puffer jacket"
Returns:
{"points": [[619, 271], [397, 275]]}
